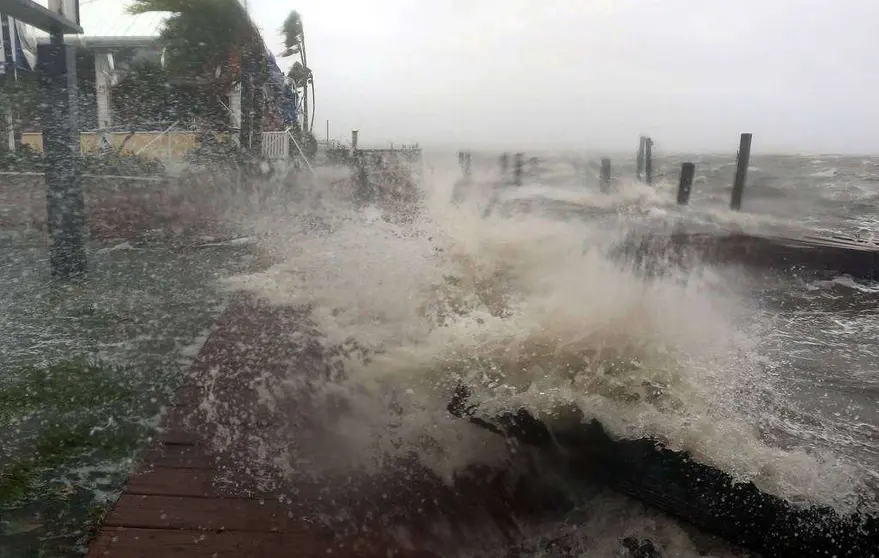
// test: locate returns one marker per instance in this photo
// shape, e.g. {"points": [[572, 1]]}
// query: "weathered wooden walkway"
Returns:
{"points": [[174, 506]]}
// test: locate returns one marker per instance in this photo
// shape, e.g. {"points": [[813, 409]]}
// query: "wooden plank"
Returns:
{"points": [[177, 427], [176, 437], [154, 543], [189, 394], [212, 514], [177, 456], [393, 492], [194, 483], [252, 517], [165, 481]]}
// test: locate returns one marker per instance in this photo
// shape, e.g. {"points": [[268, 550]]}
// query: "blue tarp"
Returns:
{"points": [[283, 95], [12, 31]]}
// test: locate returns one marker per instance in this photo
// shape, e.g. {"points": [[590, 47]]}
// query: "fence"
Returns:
{"points": [[168, 147], [275, 146]]}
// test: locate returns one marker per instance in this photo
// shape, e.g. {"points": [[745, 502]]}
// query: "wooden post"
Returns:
{"points": [[648, 161], [743, 159], [363, 192], [604, 185], [505, 166], [56, 66], [518, 167], [640, 162], [685, 186]]}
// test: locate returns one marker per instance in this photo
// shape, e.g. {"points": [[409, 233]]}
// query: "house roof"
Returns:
{"points": [[110, 18], [107, 23]]}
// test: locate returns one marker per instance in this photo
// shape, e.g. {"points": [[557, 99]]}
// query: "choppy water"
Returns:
{"points": [[771, 378]]}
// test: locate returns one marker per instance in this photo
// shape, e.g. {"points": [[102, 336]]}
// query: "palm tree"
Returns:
{"points": [[203, 38], [212, 45], [300, 74]]}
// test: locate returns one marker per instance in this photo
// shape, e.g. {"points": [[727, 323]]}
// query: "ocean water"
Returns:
{"points": [[513, 290], [771, 378]]}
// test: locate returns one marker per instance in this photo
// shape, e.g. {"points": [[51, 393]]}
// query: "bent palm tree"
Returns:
{"points": [[212, 45], [300, 74]]}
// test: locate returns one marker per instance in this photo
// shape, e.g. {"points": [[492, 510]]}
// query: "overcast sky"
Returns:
{"points": [[799, 74], [802, 75]]}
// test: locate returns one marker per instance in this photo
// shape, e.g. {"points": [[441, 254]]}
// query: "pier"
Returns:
{"points": [[190, 499]]}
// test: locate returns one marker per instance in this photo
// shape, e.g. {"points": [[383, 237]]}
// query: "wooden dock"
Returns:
{"points": [[175, 506], [792, 253], [784, 249]]}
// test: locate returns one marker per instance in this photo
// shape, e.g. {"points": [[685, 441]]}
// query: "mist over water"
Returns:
{"points": [[525, 304]]}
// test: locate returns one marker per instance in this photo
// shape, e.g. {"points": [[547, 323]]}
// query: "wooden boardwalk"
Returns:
{"points": [[790, 253], [174, 505]]}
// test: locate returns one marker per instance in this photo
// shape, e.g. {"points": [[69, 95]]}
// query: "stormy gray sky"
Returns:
{"points": [[802, 75], [799, 74]]}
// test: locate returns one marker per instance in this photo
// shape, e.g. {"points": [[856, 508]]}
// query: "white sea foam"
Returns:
{"points": [[531, 311]]}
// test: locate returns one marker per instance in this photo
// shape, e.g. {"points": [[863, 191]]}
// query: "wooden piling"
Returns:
{"points": [[640, 160], [743, 159], [518, 168], [685, 186], [464, 160], [505, 166], [648, 160], [605, 175]]}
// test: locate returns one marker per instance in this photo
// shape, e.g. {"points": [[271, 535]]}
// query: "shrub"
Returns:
{"points": [[112, 162]]}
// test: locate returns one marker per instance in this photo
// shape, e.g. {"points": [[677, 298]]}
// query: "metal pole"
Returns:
{"points": [[301, 153], [56, 64]]}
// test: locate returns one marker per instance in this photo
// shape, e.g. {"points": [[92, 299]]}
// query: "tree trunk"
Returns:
{"points": [[305, 107], [245, 132], [259, 94], [252, 102], [305, 119]]}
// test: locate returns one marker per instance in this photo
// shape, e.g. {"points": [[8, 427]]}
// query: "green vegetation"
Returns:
{"points": [[204, 39], [69, 432], [111, 163], [148, 93], [62, 416], [210, 46], [300, 75]]}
